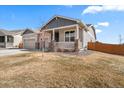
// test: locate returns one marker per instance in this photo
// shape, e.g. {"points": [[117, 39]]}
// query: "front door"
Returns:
{"points": [[56, 36]]}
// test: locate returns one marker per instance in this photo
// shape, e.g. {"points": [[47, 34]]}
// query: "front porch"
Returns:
{"points": [[64, 38], [6, 41], [64, 46]]}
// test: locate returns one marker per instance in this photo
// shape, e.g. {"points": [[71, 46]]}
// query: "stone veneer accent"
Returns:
{"points": [[51, 46], [77, 43]]}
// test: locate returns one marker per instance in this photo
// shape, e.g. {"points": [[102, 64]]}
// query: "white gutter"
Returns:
{"points": [[60, 27]]}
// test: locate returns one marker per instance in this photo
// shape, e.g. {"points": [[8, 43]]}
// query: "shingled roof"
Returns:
{"points": [[4, 32]]}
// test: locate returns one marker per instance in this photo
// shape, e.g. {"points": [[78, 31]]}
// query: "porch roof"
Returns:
{"points": [[58, 28]]}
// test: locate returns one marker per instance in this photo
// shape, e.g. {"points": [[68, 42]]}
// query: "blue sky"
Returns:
{"points": [[108, 20]]}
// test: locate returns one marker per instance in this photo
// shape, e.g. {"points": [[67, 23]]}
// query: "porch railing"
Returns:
{"points": [[64, 45], [9, 45], [2, 44]]}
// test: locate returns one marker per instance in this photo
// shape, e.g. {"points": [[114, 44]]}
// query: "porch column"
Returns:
{"points": [[77, 32], [53, 35], [77, 42], [52, 45], [5, 41]]}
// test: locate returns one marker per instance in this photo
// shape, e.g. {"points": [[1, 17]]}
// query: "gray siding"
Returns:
{"points": [[58, 23]]}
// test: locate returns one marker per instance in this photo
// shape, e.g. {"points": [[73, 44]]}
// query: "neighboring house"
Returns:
{"points": [[10, 39], [65, 34], [29, 39]]}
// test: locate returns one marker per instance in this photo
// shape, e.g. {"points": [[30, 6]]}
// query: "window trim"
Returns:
{"points": [[69, 35]]}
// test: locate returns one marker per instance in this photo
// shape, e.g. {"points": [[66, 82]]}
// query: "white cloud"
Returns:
{"points": [[102, 24], [92, 9], [99, 24], [105, 24], [96, 9], [98, 31]]}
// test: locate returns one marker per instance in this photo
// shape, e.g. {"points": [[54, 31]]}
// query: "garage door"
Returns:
{"points": [[29, 43]]}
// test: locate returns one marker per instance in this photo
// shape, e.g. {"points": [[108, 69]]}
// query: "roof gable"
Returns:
{"points": [[27, 31], [58, 21]]}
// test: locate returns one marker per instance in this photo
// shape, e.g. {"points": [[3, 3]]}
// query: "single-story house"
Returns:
{"points": [[10, 39], [65, 34], [60, 34]]}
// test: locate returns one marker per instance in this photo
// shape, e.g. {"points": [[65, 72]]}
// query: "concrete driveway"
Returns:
{"points": [[7, 52]]}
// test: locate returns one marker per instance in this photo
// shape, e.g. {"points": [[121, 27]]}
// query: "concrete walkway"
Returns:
{"points": [[7, 52]]}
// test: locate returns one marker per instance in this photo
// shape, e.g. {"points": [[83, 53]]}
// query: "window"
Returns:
{"points": [[69, 36], [9, 39], [72, 36], [2, 39]]}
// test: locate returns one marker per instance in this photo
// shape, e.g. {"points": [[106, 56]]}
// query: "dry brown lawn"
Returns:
{"points": [[62, 70]]}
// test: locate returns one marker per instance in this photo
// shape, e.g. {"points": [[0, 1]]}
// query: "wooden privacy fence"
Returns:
{"points": [[107, 48]]}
